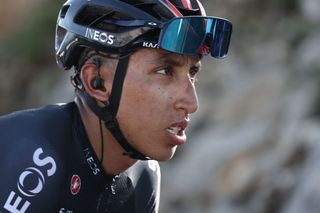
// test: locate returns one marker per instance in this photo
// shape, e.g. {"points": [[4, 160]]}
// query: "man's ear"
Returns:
{"points": [[94, 83]]}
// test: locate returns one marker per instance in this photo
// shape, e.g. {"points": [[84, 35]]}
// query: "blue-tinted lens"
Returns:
{"points": [[183, 36], [195, 35], [220, 35]]}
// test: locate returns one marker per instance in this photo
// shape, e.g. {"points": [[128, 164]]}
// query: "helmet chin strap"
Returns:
{"points": [[108, 113]]}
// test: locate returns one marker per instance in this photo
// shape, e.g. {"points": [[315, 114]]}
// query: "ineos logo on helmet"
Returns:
{"points": [[100, 36], [80, 24]]}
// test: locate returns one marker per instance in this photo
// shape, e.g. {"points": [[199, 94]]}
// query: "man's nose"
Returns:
{"points": [[187, 99]]}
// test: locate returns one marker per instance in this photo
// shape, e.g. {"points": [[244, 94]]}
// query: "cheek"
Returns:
{"points": [[143, 101], [142, 95], [143, 106]]}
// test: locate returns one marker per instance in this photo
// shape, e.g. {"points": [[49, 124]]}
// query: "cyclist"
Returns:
{"points": [[135, 64]]}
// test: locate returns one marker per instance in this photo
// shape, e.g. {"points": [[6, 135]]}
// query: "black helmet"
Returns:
{"points": [[121, 26]]}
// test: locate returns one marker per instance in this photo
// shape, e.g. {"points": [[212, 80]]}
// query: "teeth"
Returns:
{"points": [[174, 130]]}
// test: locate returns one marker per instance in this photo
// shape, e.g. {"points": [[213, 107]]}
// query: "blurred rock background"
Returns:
{"points": [[254, 145]]}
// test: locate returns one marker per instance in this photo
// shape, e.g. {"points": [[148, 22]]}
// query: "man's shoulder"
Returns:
{"points": [[24, 132], [148, 169], [33, 147], [48, 128], [146, 179], [36, 120], [34, 114]]}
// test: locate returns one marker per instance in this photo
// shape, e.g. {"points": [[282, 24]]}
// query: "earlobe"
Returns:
{"points": [[94, 83]]}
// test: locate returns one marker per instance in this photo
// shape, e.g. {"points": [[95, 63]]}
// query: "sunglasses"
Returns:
{"points": [[192, 35], [188, 35]]}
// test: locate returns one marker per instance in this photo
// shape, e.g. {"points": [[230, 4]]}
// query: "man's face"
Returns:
{"points": [[158, 96]]}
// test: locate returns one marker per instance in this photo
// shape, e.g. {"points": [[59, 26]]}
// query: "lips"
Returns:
{"points": [[176, 132], [177, 127]]}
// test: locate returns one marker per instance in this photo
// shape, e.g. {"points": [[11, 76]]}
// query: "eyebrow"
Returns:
{"points": [[169, 58], [172, 62]]}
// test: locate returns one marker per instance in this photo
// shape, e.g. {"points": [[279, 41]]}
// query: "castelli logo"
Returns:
{"points": [[75, 184]]}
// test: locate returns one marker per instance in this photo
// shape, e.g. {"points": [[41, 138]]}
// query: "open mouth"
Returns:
{"points": [[174, 130], [177, 134]]}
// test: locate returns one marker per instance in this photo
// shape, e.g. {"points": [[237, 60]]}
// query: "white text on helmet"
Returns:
{"points": [[150, 44], [99, 36]]}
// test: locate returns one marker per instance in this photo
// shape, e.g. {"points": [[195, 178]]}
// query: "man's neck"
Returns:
{"points": [[114, 162]]}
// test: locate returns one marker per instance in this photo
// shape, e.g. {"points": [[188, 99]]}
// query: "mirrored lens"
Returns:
{"points": [[192, 35], [220, 34], [183, 36]]}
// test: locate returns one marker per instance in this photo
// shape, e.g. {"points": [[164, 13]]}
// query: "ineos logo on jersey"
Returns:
{"points": [[17, 201], [63, 210], [93, 165], [99, 36], [91, 162], [32, 173]]}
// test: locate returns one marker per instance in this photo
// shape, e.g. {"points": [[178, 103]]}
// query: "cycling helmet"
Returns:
{"points": [[120, 26]]}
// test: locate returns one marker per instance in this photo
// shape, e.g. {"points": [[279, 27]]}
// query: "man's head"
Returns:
{"points": [[140, 59], [158, 95]]}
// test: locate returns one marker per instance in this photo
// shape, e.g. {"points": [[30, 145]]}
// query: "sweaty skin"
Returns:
{"points": [[158, 93], [157, 98]]}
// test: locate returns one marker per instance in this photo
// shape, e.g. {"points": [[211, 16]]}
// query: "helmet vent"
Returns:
{"points": [[64, 11], [153, 8], [149, 8], [101, 18], [90, 15]]}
